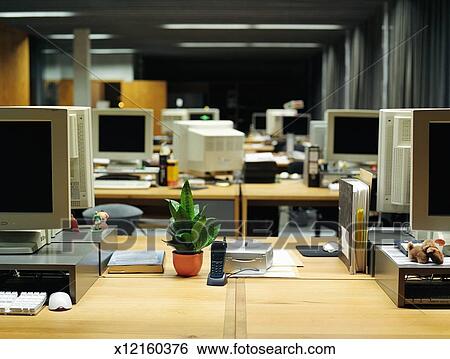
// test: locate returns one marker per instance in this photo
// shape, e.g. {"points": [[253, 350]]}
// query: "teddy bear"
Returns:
{"points": [[425, 251]]}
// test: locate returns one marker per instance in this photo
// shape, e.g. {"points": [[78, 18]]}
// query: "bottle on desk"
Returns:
{"points": [[172, 173]]}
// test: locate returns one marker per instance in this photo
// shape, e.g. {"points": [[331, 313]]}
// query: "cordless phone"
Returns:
{"points": [[217, 276]]}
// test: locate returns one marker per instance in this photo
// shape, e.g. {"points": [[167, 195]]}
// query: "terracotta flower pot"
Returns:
{"points": [[187, 265]]}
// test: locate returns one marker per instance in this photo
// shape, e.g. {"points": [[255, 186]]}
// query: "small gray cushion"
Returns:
{"points": [[115, 210]]}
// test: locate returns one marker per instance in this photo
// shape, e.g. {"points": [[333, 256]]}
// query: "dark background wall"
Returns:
{"points": [[237, 88]]}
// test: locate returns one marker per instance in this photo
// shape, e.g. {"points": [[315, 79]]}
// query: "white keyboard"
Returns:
{"points": [[124, 184], [120, 170], [27, 303]]}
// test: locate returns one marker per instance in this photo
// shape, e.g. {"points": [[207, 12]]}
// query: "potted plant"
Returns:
{"points": [[190, 231]]}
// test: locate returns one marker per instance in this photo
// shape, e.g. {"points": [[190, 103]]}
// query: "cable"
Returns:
{"points": [[242, 270]]}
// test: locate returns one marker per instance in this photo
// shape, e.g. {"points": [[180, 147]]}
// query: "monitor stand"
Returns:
{"points": [[21, 242], [290, 144]]}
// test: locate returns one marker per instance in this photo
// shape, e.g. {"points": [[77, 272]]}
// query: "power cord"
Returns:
{"points": [[242, 270]]}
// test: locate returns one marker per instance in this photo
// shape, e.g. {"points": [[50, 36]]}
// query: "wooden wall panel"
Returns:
{"points": [[146, 94], [65, 92], [14, 67]]}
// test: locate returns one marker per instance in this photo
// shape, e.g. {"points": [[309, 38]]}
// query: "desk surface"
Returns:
{"points": [[212, 192], [287, 190], [258, 147], [325, 302]]}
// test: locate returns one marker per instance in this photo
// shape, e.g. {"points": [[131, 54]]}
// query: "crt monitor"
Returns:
{"points": [[123, 134], [215, 149], [204, 114], [181, 144], [430, 209], [36, 141], [259, 121], [394, 161], [297, 125], [352, 135]]}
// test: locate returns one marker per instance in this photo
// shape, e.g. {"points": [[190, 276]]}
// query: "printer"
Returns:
{"points": [[259, 168], [248, 257]]}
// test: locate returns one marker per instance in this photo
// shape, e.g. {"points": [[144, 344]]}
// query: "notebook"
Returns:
{"points": [[136, 262]]}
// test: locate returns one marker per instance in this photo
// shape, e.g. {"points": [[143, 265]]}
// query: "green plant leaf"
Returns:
{"points": [[173, 208], [200, 214], [186, 200], [196, 209]]}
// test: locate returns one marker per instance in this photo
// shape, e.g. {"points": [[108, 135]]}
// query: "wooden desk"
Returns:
{"points": [[157, 195], [257, 147], [288, 192], [325, 302]]}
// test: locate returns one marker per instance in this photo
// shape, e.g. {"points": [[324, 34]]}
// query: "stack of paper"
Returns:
{"points": [[136, 262]]}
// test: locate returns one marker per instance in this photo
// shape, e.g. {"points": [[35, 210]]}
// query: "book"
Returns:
{"points": [[136, 262], [354, 198]]}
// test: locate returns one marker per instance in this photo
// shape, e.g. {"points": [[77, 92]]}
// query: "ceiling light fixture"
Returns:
{"points": [[252, 27], [112, 51], [298, 27], [306, 45], [207, 26], [72, 36], [213, 44], [17, 14]]}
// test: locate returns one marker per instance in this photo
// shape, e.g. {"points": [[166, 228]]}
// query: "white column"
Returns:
{"points": [[348, 44], [385, 51], [82, 68]]}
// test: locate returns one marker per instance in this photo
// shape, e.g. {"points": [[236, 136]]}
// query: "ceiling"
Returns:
{"points": [[136, 24]]}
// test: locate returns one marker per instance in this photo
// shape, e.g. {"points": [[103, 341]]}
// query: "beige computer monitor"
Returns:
{"points": [[430, 200], [41, 135], [356, 143], [130, 138]]}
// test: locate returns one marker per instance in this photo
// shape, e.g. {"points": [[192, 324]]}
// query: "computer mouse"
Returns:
{"points": [[331, 247], [59, 301], [294, 176], [284, 175]]}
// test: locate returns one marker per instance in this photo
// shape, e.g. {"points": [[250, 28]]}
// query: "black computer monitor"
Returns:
{"points": [[20, 140], [297, 125], [121, 133], [201, 116], [259, 121], [355, 135]]}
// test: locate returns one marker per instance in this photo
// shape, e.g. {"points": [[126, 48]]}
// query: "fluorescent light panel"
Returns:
{"points": [[207, 26], [213, 44], [297, 27], [95, 51], [17, 14], [72, 36], [252, 27], [306, 45], [112, 51]]}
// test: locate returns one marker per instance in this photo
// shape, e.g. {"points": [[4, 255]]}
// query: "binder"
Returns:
{"points": [[354, 197]]}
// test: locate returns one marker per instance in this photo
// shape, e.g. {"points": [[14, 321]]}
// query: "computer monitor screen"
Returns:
{"points": [[355, 135], [438, 187], [201, 116], [259, 122], [27, 142], [298, 125], [121, 133]]}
